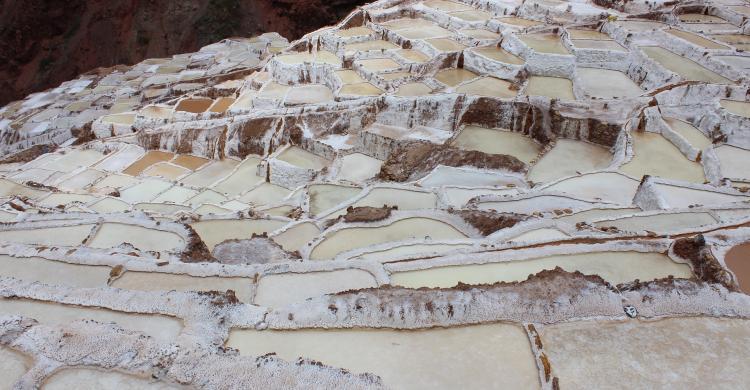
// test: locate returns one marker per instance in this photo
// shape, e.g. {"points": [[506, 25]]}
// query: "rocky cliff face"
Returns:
{"points": [[43, 43]]}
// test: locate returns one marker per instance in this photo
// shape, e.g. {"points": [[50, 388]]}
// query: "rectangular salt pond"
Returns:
{"points": [[685, 68], [214, 232], [13, 365], [111, 235], [88, 378], [607, 84], [162, 328], [544, 43], [493, 356], [50, 236], [659, 223], [152, 281], [568, 158], [283, 289], [497, 141], [614, 267], [693, 135], [675, 353], [656, 156], [551, 87], [302, 158], [53, 272]]}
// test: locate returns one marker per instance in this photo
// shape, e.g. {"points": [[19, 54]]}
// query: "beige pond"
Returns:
{"points": [[120, 119], [266, 193], [413, 89], [144, 191], [676, 353], [445, 45], [190, 162], [453, 77], [601, 186], [660, 223], [242, 179], [544, 43], [458, 197], [280, 290], [162, 328], [567, 158], [153, 281], [63, 199], [53, 272], [402, 198], [195, 105], [494, 356], [112, 234], [697, 39], [596, 214], [358, 167], [597, 45], [214, 232], [693, 135], [472, 15], [521, 22], [736, 107], [81, 180], [499, 54], [588, 34], [497, 141], [488, 86], [166, 170], [360, 89], [700, 18], [326, 196], [211, 173], [551, 87], [413, 55], [50, 236], [361, 237], [308, 94], [614, 267], [150, 158], [13, 365], [607, 84], [221, 104], [86, 378], [297, 236], [734, 161], [110, 205], [302, 158], [206, 196], [479, 34], [378, 64], [176, 194], [405, 251], [656, 156], [677, 197], [685, 68]]}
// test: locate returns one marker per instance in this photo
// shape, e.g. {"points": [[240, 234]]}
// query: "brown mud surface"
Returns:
{"points": [[738, 260], [488, 222]]}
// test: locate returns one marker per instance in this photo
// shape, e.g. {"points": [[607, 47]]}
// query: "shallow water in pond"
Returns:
{"points": [[656, 156], [326, 196], [284, 289], [50, 236], [150, 158], [413, 89], [660, 223], [488, 86], [242, 179], [695, 137], [696, 39], [736, 107], [567, 158], [214, 232], [405, 251], [453, 77], [360, 237], [153, 281], [738, 261], [499, 54], [211, 173], [53, 272], [614, 267], [85, 378], [295, 237], [544, 43], [552, 87], [13, 365], [162, 328], [734, 161], [302, 158], [685, 68], [497, 141], [111, 235], [607, 84], [493, 356]]}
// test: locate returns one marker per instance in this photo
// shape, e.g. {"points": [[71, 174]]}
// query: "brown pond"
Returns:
{"points": [[738, 260], [150, 158]]}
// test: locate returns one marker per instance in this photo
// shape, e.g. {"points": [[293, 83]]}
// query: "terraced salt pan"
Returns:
{"points": [[488, 86], [584, 34], [53, 272], [150, 158], [478, 33], [544, 43], [682, 197], [413, 89], [74, 159], [602, 186], [568, 158], [111, 235], [13, 365], [360, 237], [683, 352], [162, 328], [109, 205], [685, 68], [499, 54], [358, 167], [427, 32], [326, 196], [241, 180], [445, 45], [9, 188], [361, 89], [551, 87], [284, 289], [405, 251], [62, 199], [302, 158], [442, 176], [413, 55], [737, 260], [659, 223], [607, 84], [152, 281], [308, 94], [614, 267], [49, 236], [78, 378], [266, 193], [453, 77], [165, 170], [211, 173], [597, 45], [297, 236], [736, 107], [697, 39], [497, 141], [402, 198], [458, 197], [734, 161], [493, 356], [115, 181], [543, 234], [520, 22], [693, 135], [81, 180], [144, 191], [176, 194], [656, 156], [214, 232]]}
